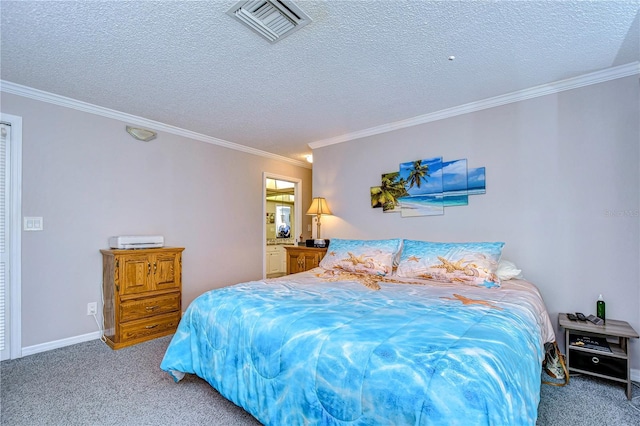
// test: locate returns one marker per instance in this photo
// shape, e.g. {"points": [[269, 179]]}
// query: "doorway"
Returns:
{"points": [[282, 213], [10, 235]]}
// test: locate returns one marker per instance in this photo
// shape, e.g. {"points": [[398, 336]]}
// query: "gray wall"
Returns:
{"points": [[90, 180], [563, 187]]}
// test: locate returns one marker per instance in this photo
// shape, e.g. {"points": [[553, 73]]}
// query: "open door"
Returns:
{"points": [[282, 213]]}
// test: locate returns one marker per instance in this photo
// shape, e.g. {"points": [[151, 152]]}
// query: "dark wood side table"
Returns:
{"points": [[614, 365]]}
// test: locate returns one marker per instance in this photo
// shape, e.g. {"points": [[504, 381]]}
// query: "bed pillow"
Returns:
{"points": [[507, 270], [374, 257], [468, 263]]}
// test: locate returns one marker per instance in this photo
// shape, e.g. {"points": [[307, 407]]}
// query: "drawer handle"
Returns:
{"points": [[148, 268], [151, 308], [151, 326], [595, 360]]}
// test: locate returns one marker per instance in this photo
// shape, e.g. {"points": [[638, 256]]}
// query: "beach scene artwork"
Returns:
{"points": [[376, 203], [425, 187], [476, 181], [386, 195], [455, 183], [423, 182]]}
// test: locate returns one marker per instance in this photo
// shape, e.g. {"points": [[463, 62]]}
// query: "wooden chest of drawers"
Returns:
{"points": [[142, 294], [300, 259]]}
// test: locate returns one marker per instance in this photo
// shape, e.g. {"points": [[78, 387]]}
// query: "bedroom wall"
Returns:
{"points": [[90, 180], [563, 184]]}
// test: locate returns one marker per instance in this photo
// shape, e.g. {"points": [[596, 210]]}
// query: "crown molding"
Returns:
{"points": [[40, 95], [520, 95]]}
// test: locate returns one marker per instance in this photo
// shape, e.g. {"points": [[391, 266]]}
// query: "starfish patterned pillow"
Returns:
{"points": [[467, 263], [374, 257]]}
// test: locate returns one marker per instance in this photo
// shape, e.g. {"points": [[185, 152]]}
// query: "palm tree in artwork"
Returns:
{"points": [[377, 196], [418, 173], [382, 195], [397, 185], [391, 187], [394, 187]]}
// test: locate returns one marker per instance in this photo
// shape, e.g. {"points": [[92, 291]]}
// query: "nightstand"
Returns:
{"points": [[300, 259], [612, 365]]}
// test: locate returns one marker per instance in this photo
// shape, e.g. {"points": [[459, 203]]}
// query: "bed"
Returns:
{"points": [[363, 341]]}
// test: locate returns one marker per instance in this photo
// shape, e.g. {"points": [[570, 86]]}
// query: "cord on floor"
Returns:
{"points": [[95, 317]]}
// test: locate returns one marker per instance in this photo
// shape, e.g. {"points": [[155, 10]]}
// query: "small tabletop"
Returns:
{"points": [[305, 248], [611, 327]]}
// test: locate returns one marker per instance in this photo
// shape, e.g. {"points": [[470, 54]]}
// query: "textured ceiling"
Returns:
{"points": [[358, 65]]}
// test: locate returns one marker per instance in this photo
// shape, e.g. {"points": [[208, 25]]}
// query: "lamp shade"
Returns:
{"points": [[319, 207]]}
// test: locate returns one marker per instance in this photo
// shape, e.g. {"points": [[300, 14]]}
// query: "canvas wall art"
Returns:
{"points": [[387, 194], [425, 187], [423, 182]]}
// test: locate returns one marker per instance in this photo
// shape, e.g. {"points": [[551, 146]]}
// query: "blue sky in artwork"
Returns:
{"points": [[433, 184], [454, 175], [476, 178]]}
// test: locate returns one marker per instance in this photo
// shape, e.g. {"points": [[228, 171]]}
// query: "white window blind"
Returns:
{"points": [[4, 158]]}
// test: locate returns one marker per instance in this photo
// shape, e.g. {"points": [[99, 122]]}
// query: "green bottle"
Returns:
{"points": [[600, 308]]}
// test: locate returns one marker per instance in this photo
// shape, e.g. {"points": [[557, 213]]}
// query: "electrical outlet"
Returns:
{"points": [[92, 308]]}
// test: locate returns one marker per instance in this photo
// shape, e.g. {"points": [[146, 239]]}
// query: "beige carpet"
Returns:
{"points": [[90, 384]]}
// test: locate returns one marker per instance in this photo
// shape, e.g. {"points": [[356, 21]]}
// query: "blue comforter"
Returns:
{"points": [[302, 350]]}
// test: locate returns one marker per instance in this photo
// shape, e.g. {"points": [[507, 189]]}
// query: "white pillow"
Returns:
{"points": [[507, 270]]}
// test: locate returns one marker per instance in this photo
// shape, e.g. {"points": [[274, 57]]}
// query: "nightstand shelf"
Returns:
{"points": [[614, 365]]}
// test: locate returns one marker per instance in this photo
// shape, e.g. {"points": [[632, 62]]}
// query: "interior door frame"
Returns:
{"points": [[297, 197], [15, 235]]}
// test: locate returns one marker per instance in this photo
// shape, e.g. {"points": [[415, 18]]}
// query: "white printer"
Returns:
{"points": [[136, 241]]}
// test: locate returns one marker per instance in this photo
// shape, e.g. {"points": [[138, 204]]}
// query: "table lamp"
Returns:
{"points": [[318, 208]]}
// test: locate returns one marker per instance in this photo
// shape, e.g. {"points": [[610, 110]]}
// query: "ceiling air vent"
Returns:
{"points": [[272, 19]]}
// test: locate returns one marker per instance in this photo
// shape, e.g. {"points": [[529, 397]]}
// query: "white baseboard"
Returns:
{"points": [[635, 375], [43, 347]]}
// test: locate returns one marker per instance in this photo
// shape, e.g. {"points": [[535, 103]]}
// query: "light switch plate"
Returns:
{"points": [[33, 224]]}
